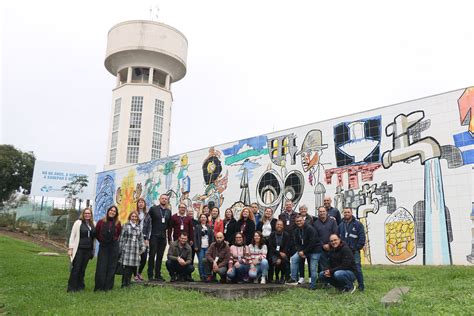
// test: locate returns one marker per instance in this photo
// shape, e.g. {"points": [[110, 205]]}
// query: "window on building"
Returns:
{"points": [[113, 156], [140, 75], [132, 154], [157, 129], [115, 128], [133, 137], [137, 104], [155, 154]]}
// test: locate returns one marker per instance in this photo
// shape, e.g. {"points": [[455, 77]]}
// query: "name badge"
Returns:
{"points": [[225, 230], [278, 248], [239, 257], [181, 227], [163, 220], [287, 222], [217, 259]]}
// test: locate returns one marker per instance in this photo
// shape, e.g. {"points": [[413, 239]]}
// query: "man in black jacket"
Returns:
{"points": [[155, 230], [342, 267], [278, 253], [308, 245]]}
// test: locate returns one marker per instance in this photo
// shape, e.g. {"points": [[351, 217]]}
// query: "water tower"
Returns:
{"points": [[146, 57]]}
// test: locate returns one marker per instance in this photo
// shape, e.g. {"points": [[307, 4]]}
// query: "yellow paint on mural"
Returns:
{"points": [[127, 196], [400, 243]]}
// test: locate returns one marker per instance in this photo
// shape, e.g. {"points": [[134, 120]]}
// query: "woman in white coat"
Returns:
{"points": [[81, 249]]}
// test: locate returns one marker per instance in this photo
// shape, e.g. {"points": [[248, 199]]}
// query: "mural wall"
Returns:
{"points": [[406, 170]]}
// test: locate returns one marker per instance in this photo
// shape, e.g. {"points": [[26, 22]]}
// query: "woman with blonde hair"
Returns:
{"points": [[81, 249], [108, 231], [131, 247], [215, 221], [246, 225]]}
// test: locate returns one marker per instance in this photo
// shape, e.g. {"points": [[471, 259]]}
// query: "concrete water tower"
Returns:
{"points": [[146, 57]]}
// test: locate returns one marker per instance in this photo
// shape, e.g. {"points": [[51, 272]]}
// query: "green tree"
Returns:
{"points": [[75, 187], [16, 171]]}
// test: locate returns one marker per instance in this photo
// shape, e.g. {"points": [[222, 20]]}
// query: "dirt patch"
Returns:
{"points": [[38, 240]]}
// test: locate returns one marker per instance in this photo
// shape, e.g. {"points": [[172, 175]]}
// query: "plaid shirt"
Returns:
{"points": [[131, 245]]}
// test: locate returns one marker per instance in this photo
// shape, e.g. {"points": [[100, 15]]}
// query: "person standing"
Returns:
{"points": [[325, 226], [258, 252], [215, 221], [217, 259], [179, 263], [229, 226], [203, 237], [246, 225], [155, 230], [288, 217], [81, 249], [342, 268], [108, 231], [308, 219], [332, 211], [307, 246], [131, 247], [256, 213], [142, 214], [180, 223], [190, 213], [278, 253], [267, 223], [353, 235]]}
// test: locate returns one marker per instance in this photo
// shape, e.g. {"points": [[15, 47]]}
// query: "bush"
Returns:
{"points": [[7, 220]]}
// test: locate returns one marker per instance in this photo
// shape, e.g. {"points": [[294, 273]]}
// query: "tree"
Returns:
{"points": [[16, 171], [75, 187]]}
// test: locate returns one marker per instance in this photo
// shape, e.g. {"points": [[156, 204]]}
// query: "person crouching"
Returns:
{"points": [[179, 263]]}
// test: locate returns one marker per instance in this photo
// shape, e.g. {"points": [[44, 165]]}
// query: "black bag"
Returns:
{"points": [[119, 268]]}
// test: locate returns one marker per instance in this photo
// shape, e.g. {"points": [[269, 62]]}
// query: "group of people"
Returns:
{"points": [[256, 247]]}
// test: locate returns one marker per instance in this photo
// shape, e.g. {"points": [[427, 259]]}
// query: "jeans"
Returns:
{"points": [[261, 270], [341, 279], [240, 273], [313, 266], [201, 265], [175, 269], [359, 276]]}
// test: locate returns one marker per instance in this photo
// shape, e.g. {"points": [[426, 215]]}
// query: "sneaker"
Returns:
{"points": [[263, 281], [292, 282], [210, 279], [301, 281], [139, 276], [136, 278]]}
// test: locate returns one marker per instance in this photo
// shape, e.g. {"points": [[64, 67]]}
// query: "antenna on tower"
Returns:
{"points": [[154, 10]]}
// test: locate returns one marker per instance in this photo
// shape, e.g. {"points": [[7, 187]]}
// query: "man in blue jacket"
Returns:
{"points": [[352, 234], [307, 245]]}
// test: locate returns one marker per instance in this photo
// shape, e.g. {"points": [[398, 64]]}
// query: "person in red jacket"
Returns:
{"points": [[108, 231], [215, 221], [181, 223]]}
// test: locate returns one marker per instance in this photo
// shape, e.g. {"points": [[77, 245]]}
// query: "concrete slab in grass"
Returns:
{"points": [[394, 296], [225, 291], [49, 254]]}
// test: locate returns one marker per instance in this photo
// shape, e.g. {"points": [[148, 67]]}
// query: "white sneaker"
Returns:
{"points": [[263, 281], [301, 281]]}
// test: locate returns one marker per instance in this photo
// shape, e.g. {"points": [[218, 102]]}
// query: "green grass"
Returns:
{"points": [[31, 284]]}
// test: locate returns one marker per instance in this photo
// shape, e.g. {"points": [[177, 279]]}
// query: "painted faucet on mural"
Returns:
{"points": [[380, 163]]}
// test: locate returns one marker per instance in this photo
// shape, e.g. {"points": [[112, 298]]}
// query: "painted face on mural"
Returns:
{"points": [[310, 158]]}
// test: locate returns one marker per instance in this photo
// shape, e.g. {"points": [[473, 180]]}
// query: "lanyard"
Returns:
{"points": [[279, 238], [301, 237]]}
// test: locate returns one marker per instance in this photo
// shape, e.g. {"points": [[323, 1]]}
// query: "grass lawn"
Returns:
{"points": [[31, 284]]}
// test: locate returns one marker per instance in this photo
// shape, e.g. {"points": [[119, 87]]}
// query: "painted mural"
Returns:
{"points": [[406, 170]]}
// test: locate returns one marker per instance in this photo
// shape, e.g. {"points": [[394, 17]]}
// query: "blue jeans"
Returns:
{"points": [[201, 265], [239, 274], [341, 279], [313, 266], [359, 276], [262, 270]]}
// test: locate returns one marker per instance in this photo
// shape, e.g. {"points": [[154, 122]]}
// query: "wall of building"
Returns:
{"points": [[404, 169]]}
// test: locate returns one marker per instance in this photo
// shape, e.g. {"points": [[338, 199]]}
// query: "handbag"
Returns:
{"points": [[119, 267]]}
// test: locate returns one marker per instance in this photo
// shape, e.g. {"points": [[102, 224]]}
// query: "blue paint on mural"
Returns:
{"points": [[464, 142], [250, 147], [104, 194], [358, 142]]}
